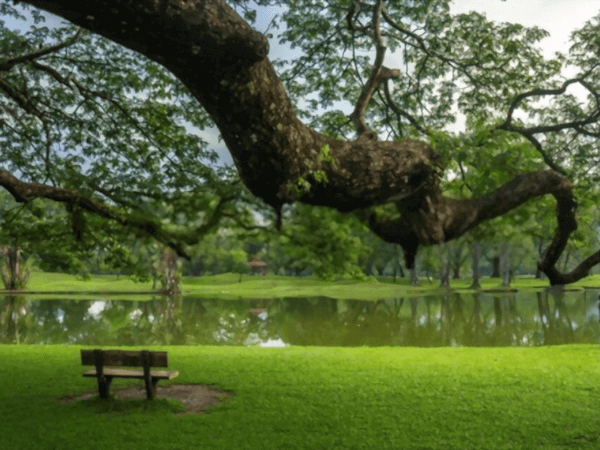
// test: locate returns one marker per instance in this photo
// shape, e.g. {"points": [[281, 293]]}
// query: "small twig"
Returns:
{"points": [[400, 112], [10, 63], [577, 125]]}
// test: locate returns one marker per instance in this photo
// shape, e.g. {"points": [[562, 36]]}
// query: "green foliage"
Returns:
{"points": [[117, 128], [464, 60], [324, 240], [239, 260], [301, 185], [221, 252]]}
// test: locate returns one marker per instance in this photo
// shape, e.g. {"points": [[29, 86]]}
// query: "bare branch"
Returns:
{"points": [[379, 74], [544, 92], [20, 99], [401, 112], [528, 132], [529, 136], [8, 64], [24, 192], [420, 43]]}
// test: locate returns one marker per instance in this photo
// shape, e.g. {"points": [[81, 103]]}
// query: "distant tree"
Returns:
{"points": [[324, 240], [14, 274], [239, 260], [169, 272]]}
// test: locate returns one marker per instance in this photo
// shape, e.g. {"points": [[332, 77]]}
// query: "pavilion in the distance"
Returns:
{"points": [[257, 266]]}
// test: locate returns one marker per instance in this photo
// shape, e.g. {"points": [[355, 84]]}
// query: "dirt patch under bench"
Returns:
{"points": [[195, 397]]}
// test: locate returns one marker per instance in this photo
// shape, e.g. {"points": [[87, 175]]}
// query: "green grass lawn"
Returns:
{"points": [[228, 286], [316, 398]]}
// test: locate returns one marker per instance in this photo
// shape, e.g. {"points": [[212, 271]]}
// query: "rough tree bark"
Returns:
{"points": [[224, 64]]}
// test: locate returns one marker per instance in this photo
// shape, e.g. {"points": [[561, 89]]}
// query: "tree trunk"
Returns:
{"points": [[496, 266], [414, 280], [476, 253], [456, 273], [505, 265], [456, 262], [445, 267], [13, 275], [539, 274], [400, 269]]}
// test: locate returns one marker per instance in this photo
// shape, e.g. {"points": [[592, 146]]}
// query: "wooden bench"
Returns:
{"points": [[143, 358]]}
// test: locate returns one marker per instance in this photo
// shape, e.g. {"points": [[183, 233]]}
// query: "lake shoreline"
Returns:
{"points": [[228, 286]]}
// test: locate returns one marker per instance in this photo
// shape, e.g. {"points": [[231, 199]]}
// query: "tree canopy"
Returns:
{"points": [[391, 161]]}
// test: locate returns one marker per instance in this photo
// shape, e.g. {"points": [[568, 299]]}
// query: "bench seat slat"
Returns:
{"points": [[125, 373]]}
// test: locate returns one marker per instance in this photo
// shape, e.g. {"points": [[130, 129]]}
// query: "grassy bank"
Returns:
{"points": [[317, 398], [228, 286]]}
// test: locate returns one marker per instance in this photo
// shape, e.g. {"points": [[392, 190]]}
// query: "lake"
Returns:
{"points": [[452, 319]]}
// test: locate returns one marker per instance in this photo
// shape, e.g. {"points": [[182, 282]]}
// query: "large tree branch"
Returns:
{"points": [[428, 218], [238, 87], [209, 29]]}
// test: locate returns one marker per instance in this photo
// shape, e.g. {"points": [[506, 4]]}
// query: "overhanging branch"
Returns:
{"points": [[272, 149], [427, 218], [24, 192]]}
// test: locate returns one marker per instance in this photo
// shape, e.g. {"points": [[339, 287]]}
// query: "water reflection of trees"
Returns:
{"points": [[14, 320], [480, 319]]}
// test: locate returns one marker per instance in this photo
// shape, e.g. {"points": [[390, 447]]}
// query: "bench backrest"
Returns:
{"points": [[142, 358]]}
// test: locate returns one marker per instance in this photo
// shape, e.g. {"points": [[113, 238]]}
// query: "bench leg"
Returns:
{"points": [[103, 386], [151, 388]]}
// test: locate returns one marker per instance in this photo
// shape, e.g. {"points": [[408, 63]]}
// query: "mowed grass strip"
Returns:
{"points": [[227, 286], [316, 398]]}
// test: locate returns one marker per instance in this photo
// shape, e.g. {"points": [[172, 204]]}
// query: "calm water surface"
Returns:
{"points": [[484, 319]]}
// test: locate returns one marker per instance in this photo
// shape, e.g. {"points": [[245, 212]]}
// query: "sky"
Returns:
{"points": [[559, 17]]}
